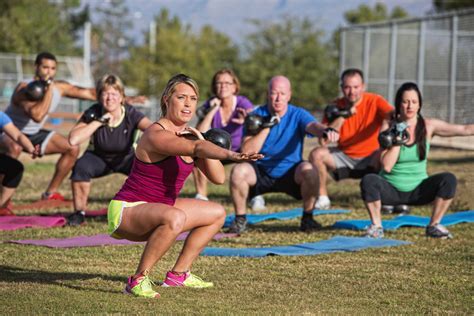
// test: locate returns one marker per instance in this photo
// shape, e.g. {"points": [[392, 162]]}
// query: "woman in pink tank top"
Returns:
{"points": [[148, 209]]}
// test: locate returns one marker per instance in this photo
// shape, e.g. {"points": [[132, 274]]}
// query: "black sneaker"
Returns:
{"points": [[438, 231], [309, 224], [238, 226], [77, 218]]}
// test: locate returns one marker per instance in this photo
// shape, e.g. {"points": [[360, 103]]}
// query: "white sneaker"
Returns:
{"points": [[201, 197], [323, 203], [257, 204]]}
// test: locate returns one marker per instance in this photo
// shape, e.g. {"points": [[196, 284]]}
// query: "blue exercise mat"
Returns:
{"points": [[285, 215], [335, 244], [407, 220]]}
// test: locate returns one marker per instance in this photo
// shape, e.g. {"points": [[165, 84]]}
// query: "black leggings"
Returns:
{"points": [[374, 188], [12, 170]]}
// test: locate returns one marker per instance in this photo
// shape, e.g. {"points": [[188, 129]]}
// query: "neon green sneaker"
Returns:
{"points": [[141, 287], [186, 279]]}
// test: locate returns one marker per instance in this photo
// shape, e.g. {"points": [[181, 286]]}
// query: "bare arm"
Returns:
{"points": [[82, 132], [389, 156], [205, 124], [75, 92], [15, 134], [255, 143], [157, 144], [144, 123], [437, 127], [36, 110]]}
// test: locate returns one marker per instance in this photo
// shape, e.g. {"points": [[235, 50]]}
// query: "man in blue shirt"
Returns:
{"points": [[282, 169]]}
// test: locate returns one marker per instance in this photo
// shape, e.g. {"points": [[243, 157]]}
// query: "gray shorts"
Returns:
{"points": [[354, 168]]}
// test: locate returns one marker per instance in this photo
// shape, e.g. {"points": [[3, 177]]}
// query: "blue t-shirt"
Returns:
{"points": [[4, 120], [283, 147]]}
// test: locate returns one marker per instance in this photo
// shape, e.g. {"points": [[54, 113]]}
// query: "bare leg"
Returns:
{"points": [[200, 182], [11, 148], [5, 196], [59, 144], [306, 177], [80, 194], [205, 219], [440, 207], [374, 209], [158, 224], [242, 177], [322, 159]]}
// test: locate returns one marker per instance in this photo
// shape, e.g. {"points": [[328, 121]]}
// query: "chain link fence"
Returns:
{"points": [[436, 52]]}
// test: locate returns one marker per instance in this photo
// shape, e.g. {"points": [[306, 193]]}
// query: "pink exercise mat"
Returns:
{"points": [[18, 222], [96, 240]]}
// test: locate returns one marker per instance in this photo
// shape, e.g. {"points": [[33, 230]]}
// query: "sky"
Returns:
{"points": [[231, 16]]}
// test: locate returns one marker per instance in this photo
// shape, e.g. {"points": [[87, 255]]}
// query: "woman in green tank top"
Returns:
{"points": [[403, 178]]}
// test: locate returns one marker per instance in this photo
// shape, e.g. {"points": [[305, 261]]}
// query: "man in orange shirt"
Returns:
{"points": [[358, 118]]}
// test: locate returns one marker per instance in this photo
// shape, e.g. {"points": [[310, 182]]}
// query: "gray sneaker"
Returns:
{"points": [[374, 232], [238, 226], [438, 231]]}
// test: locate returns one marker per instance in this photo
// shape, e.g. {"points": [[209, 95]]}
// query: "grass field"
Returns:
{"points": [[427, 277]]}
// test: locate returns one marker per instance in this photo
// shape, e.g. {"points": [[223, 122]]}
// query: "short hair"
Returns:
{"points": [[351, 72], [44, 55], [229, 72], [110, 81], [171, 87]]}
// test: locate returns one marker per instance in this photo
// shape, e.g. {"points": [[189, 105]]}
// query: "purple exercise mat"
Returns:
{"points": [[17, 222], [96, 240]]}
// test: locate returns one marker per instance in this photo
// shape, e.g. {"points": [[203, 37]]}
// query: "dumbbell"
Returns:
{"points": [[36, 89], [218, 137], [94, 114], [255, 123], [332, 112]]}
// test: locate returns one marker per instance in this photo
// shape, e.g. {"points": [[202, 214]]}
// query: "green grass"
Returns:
{"points": [[426, 277]]}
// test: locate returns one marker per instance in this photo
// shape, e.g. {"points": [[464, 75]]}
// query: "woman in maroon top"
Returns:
{"points": [[164, 157]]}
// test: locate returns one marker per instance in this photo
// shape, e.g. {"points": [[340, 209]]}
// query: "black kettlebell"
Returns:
{"points": [[253, 124], [93, 114], [218, 137], [36, 89], [332, 112]]}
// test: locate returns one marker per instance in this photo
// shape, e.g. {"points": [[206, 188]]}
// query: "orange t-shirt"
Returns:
{"points": [[358, 136]]}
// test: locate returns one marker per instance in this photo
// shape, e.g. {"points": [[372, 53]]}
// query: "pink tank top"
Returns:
{"points": [[156, 182]]}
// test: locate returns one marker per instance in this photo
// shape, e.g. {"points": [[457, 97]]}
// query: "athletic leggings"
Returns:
{"points": [[374, 188], [12, 170]]}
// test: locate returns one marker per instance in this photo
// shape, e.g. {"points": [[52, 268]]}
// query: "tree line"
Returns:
{"points": [[291, 46]]}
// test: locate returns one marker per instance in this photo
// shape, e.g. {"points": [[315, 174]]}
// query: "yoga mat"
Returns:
{"points": [[408, 220], [335, 244], [17, 222], [42, 204], [285, 215], [96, 240]]}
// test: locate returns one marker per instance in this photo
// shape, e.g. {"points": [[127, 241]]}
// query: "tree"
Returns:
{"points": [[291, 47], [444, 5], [110, 41], [365, 14], [179, 51], [31, 26]]}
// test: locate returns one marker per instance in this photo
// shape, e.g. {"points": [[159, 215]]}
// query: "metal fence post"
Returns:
{"points": [[392, 61], [421, 55], [452, 79], [366, 55]]}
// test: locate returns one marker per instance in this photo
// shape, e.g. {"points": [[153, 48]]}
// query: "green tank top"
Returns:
{"points": [[408, 172]]}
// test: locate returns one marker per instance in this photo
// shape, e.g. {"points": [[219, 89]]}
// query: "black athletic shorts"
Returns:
{"points": [[267, 184]]}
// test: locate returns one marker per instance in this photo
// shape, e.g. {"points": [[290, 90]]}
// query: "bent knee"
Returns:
{"points": [[177, 221], [318, 155], [241, 172]]}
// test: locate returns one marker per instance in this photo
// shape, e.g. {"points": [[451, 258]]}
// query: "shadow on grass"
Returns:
{"points": [[15, 275]]}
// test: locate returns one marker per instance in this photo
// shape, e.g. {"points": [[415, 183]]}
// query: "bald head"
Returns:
{"points": [[279, 94]]}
